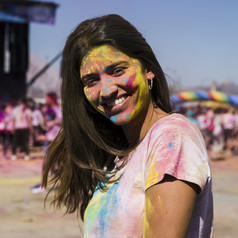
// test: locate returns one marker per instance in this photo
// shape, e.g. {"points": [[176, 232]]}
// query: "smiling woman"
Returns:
{"points": [[130, 166]]}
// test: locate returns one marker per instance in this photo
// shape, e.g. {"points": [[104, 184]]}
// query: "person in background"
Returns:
{"points": [[52, 119], [218, 141], [38, 124], [130, 166], [236, 132], [8, 130], [22, 128], [2, 123], [190, 114], [201, 120], [228, 123]]}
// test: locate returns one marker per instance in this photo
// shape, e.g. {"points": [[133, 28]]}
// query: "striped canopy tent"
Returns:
{"points": [[216, 96]]}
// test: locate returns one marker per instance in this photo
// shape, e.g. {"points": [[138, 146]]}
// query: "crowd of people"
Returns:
{"points": [[219, 127], [25, 123]]}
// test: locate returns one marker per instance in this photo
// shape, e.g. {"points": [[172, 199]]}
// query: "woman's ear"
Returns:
{"points": [[150, 75]]}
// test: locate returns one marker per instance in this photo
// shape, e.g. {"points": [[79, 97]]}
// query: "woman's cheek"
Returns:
{"points": [[90, 95], [87, 94], [93, 98], [130, 82]]}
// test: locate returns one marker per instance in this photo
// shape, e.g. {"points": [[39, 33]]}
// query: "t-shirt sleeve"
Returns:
{"points": [[178, 149]]}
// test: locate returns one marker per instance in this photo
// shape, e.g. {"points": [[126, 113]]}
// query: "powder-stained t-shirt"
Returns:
{"points": [[172, 146]]}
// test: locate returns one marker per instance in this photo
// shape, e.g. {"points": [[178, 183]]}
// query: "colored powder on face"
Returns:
{"points": [[129, 83], [113, 119], [170, 144], [127, 116], [108, 80], [87, 94]]}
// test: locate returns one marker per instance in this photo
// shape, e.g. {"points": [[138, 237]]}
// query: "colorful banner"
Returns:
{"points": [[27, 11], [205, 95]]}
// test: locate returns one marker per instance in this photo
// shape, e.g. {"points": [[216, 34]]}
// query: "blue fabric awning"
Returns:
{"points": [[27, 11]]}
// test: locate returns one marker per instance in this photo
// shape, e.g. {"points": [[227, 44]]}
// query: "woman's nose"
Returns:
{"points": [[108, 88]]}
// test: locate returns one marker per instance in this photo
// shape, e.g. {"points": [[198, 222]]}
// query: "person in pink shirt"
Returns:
{"points": [[130, 166]]}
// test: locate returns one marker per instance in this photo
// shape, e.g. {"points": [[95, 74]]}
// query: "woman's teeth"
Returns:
{"points": [[116, 102]]}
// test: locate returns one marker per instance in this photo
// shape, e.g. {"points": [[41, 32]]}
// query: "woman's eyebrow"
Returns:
{"points": [[114, 65], [107, 68]]}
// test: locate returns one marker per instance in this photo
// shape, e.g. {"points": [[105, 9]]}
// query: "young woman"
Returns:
{"points": [[130, 166]]}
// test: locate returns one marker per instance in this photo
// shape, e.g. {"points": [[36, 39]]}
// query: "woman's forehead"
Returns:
{"points": [[102, 56], [102, 53]]}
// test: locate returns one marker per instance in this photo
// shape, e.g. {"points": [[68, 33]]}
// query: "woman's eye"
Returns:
{"points": [[90, 81], [119, 71]]}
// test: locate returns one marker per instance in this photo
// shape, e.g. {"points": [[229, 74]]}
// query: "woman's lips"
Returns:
{"points": [[117, 105]]}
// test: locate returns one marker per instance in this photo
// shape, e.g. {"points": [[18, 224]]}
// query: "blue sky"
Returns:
{"points": [[196, 42]]}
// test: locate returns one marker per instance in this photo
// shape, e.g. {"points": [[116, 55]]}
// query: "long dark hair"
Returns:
{"points": [[87, 140]]}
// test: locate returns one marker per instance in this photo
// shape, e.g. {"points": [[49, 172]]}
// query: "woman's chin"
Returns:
{"points": [[120, 120]]}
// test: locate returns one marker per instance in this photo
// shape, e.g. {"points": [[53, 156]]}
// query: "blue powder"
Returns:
{"points": [[113, 118]]}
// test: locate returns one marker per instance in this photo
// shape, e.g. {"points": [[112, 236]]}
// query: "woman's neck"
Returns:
{"points": [[137, 129]]}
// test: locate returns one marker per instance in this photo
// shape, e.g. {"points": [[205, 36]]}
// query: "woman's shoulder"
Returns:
{"points": [[174, 122], [170, 129]]}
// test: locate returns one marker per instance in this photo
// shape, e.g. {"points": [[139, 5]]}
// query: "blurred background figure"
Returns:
{"points": [[191, 115], [228, 122], [7, 123], [38, 123], [52, 117], [22, 128], [2, 123], [218, 141], [201, 120]]}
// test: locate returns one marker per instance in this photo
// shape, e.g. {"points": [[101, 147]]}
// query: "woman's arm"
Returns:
{"points": [[168, 208]]}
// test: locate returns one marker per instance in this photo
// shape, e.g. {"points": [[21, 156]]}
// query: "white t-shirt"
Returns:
{"points": [[20, 114], [173, 146], [228, 121], [37, 117], [201, 119], [218, 125]]}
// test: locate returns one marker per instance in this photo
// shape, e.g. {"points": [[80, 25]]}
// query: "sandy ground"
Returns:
{"points": [[22, 214]]}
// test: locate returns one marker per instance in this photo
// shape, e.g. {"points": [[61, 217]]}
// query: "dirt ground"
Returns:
{"points": [[22, 214]]}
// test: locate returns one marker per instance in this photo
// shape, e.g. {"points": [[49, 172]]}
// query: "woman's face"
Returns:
{"points": [[115, 84]]}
